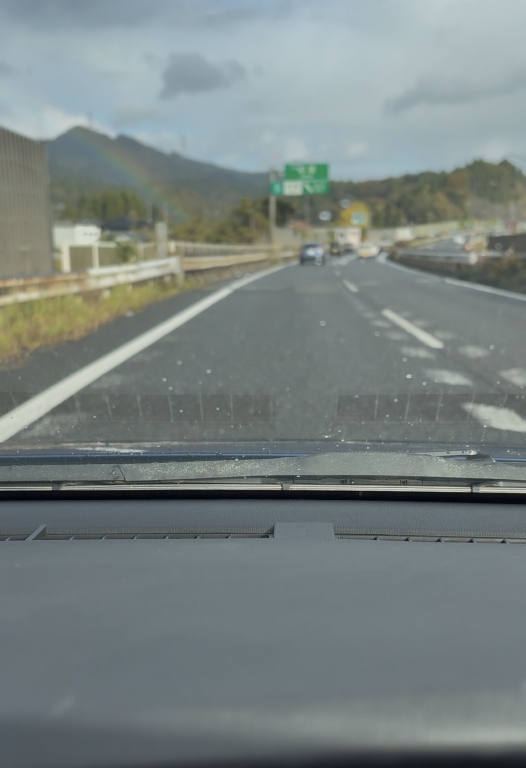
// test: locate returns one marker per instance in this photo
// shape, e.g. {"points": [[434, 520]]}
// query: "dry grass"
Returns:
{"points": [[26, 327]]}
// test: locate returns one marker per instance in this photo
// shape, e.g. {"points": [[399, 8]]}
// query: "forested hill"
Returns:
{"points": [[88, 168], [480, 189], [83, 163]]}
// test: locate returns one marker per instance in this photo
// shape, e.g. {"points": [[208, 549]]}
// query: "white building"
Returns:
{"points": [[66, 234]]}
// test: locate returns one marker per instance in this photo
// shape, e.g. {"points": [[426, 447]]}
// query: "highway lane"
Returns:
{"points": [[353, 351]]}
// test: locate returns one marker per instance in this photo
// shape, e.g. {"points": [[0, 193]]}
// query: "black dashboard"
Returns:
{"points": [[200, 631]]}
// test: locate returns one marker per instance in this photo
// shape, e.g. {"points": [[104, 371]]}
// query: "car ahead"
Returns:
{"points": [[368, 251], [335, 249], [312, 253]]}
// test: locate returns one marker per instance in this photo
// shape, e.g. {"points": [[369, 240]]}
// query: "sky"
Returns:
{"points": [[374, 87]]}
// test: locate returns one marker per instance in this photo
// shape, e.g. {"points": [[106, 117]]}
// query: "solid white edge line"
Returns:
{"points": [[453, 281], [351, 286], [16, 420], [418, 333], [485, 289]]}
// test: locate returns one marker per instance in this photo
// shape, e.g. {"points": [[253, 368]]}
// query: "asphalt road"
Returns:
{"points": [[356, 350]]}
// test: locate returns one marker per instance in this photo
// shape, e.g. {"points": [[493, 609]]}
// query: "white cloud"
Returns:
{"points": [[295, 150], [356, 149], [452, 70]]}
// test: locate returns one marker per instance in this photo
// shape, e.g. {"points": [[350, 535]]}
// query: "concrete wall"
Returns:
{"points": [[25, 220], [78, 258]]}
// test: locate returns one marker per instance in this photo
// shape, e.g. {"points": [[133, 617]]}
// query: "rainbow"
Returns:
{"points": [[134, 175]]}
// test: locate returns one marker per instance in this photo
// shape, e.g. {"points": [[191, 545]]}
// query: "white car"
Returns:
{"points": [[368, 250]]}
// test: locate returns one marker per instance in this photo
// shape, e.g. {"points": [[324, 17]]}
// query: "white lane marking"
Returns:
{"points": [[396, 336], [418, 352], [418, 333], [380, 324], [452, 281], [473, 352], [516, 376], [350, 286], [384, 260], [496, 418], [485, 289], [452, 378], [16, 420]]}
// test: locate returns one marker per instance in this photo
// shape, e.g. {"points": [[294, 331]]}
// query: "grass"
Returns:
{"points": [[35, 324]]}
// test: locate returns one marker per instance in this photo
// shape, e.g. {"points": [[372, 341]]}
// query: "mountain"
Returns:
{"points": [[83, 161]]}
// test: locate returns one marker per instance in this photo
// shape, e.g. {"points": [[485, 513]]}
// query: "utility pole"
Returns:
{"points": [[307, 210], [272, 204]]}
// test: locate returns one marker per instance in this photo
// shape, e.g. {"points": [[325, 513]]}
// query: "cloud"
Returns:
{"points": [[95, 14], [242, 14], [434, 90], [192, 73], [356, 149], [74, 13], [5, 69], [130, 115], [256, 108]]}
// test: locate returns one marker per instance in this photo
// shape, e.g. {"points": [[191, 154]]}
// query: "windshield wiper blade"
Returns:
{"points": [[358, 466], [457, 455]]}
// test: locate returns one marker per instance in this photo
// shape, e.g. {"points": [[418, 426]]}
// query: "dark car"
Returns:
{"points": [[335, 249], [312, 253]]}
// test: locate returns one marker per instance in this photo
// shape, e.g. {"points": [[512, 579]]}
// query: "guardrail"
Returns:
{"points": [[182, 248], [451, 257], [200, 263], [22, 290]]}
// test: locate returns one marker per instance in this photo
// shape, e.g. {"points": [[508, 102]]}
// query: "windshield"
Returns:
{"points": [[222, 235]]}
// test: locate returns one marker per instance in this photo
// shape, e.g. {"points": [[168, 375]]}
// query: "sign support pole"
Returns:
{"points": [[272, 213]]}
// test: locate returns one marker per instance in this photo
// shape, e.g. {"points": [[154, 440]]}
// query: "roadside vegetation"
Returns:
{"points": [[478, 190], [29, 326]]}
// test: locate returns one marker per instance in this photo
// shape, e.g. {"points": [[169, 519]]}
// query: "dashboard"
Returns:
{"points": [[198, 631]]}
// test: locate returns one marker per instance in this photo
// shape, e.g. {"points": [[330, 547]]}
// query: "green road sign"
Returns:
{"points": [[316, 187], [299, 188], [307, 172]]}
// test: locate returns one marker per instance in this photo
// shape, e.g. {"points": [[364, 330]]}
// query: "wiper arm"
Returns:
{"points": [[347, 467], [458, 455]]}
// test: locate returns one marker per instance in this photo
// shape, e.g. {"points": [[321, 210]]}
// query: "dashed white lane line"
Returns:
{"points": [[418, 333], [452, 378], [418, 352], [515, 376], [350, 286], [473, 352], [491, 416], [16, 420]]}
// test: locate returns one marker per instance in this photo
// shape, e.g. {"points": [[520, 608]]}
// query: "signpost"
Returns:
{"points": [[307, 172], [299, 188], [299, 180]]}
